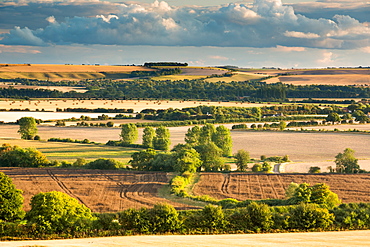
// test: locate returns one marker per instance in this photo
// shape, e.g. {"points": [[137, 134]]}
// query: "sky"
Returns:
{"points": [[248, 34]]}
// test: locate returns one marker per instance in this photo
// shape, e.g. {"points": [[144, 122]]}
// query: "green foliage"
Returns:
{"points": [[14, 156], [210, 155], [142, 160], [257, 167], [186, 160], [192, 136], [310, 216], [206, 134], [210, 219], [255, 217], [148, 137], [161, 140], [352, 216], [266, 167], [27, 128], [11, 200], [333, 117], [104, 164], [163, 218], [282, 125], [319, 194], [222, 139], [56, 212], [135, 220], [129, 133], [346, 162], [163, 162], [314, 169]]}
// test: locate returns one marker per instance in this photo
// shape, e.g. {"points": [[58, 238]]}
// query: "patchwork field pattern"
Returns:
{"points": [[100, 190], [241, 186]]}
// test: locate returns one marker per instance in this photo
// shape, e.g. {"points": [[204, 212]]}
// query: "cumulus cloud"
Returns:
{"points": [[289, 49], [268, 23]]}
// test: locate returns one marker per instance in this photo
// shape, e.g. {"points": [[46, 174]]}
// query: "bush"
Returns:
{"points": [[310, 216], [57, 212], [104, 164]]}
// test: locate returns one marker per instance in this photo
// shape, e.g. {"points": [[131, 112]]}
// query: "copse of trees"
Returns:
{"points": [[14, 156], [346, 162]]}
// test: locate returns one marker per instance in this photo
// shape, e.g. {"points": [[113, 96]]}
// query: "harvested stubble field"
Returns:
{"points": [[301, 147], [242, 186], [100, 190]]}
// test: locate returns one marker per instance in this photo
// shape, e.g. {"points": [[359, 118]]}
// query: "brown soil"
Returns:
{"points": [[242, 186]]}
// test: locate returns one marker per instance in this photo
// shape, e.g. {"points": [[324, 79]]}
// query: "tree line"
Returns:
{"points": [[191, 89]]}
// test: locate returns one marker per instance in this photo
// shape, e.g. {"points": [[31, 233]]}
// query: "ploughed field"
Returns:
{"points": [[242, 186], [100, 190], [114, 191]]}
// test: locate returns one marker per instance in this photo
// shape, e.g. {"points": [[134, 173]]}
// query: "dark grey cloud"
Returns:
{"points": [[268, 23]]}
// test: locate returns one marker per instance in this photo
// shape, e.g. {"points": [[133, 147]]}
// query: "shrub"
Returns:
{"points": [[104, 164], [57, 212]]}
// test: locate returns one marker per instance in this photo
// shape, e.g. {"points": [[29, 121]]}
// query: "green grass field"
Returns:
{"points": [[178, 77], [71, 151], [236, 77]]}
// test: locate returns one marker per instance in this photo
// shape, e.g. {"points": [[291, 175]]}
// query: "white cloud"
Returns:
{"points": [[18, 49], [222, 58], [301, 35], [289, 49], [326, 59], [268, 23]]}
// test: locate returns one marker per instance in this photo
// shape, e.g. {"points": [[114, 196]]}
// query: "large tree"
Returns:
{"points": [[333, 117], [14, 156], [148, 137], [346, 162], [129, 133], [162, 139], [241, 160], [222, 139], [192, 136], [27, 128], [187, 160], [11, 200], [56, 212]]}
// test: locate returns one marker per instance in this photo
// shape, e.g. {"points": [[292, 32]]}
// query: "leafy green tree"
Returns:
{"points": [[142, 160], [163, 218], [302, 194], [360, 116], [333, 117], [129, 133], [162, 139], [222, 138], [257, 112], [148, 137], [27, 128], [314, 169], [241, 160], [346, 162], [266, 167], [210, 155], [290, 191], [321, 194], [104, 164], [192, 136], [56, 212], [257, 167], [210, 218], [282, 125], [310, 216], [136, 220], [206, 133], [163, 162], [187, 159], [11, 200], [14, 156]]}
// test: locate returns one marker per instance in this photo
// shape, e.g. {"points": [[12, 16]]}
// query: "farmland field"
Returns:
{"points": [[303, 239], [301, 147], [241, 186], [113, 191], [100, 190], [64, 72]]}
